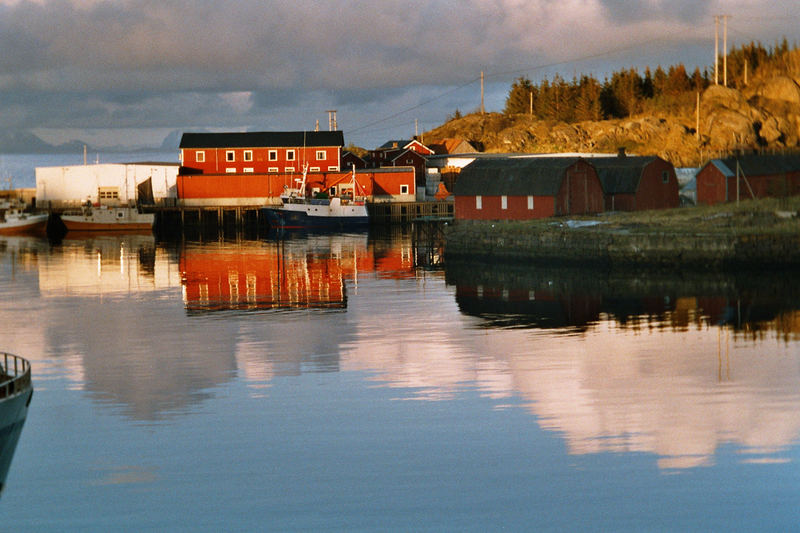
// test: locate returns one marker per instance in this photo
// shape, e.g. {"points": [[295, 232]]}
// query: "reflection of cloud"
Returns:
{"points": [[677, 393]]}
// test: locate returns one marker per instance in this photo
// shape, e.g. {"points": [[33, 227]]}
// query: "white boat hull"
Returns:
{"points": [[109, 219], [24, 224]]}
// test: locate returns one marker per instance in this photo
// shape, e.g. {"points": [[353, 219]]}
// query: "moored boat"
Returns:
{"points": [[15, 221], [108, 218], [16, 392], [298, 211]]}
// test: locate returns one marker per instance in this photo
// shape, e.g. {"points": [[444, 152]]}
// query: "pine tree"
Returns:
{"points": [[519, 98]]}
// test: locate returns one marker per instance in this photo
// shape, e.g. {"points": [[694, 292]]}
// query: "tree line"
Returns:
{"points": [[627, 92]]}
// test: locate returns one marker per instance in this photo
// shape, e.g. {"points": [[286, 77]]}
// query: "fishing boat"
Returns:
{"points": [[107, 218], [299, 211], [16, 392], [15, 221]]}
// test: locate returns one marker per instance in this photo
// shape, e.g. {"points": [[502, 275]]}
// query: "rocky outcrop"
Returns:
{"points": [[765, 115]]}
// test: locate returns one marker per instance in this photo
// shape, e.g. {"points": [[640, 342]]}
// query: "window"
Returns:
{"points": [[108, 193], [230, 170], [333, 168], [314, 169], [530, 203], [410, 161], [333, 190], [288, 169], [230, 155], [665, 176], [404, 189], [200, 156], [504, 202], [273, 155], [290, 155], [248, 155], [272, 169], [247, 169], [320, 155], [478, 202]]}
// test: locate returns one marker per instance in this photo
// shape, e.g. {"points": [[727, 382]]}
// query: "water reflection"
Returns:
{"points": [[573, 299], [671, 365], [613, 361]]}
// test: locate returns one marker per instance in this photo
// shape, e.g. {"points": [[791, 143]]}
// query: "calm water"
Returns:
{"points": [[328, 383]]}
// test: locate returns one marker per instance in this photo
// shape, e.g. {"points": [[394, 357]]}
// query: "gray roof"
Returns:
{"points": [[395, 144], [518, 176], [261, 139], [758, 165], [621, 175]]}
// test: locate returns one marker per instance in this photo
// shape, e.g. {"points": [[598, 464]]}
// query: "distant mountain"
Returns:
{"points": [[22, 142]]}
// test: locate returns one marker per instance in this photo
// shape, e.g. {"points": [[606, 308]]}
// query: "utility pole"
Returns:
{"points": [[716, 49], [332, 126], [697, 118], [725, 50], [482, 108]]}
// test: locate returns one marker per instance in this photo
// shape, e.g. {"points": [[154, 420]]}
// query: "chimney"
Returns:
{"points": [[621, 151]]}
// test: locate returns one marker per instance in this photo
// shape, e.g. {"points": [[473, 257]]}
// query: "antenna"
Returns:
{"points": [[332, 126]]}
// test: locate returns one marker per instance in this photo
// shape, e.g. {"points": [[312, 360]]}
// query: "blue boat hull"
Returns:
{"points": [[280, 218]]}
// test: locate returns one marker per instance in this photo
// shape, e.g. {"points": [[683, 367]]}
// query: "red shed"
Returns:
{"points": [[637, 183], [521, 188], [748, 176]]}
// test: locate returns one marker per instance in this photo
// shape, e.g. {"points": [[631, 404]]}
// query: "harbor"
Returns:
{"points": [[340, 374]]}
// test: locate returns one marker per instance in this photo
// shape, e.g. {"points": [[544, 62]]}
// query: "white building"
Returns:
{"points": [[108, 183]]}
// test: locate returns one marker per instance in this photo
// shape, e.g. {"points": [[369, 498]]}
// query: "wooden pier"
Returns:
{"points": [[251, 216], [407, 212]]}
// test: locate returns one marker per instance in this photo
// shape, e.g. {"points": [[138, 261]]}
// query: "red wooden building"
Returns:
{"points": [[521, 188], [637, 183], [261, 152], [350, 160], [748, 176], [377, 185], [390, 149], [253, 169]]}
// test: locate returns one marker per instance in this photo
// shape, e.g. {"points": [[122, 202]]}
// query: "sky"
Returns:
{"points": [[129, 72]]}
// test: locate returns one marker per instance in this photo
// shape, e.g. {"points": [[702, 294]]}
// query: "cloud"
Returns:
{"points": [[68, 63]]}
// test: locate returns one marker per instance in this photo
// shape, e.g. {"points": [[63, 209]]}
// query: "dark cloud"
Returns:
{"points": [[208, 63]]}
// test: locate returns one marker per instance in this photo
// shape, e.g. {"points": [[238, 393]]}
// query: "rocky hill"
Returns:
{"points": [[764, 115]]}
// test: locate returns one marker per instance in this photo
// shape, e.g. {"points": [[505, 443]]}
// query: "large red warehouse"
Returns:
{"points": [[520, 188]]}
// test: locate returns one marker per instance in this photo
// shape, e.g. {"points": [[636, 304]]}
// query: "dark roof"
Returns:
{"points": [[516, 176], [260, 139], [620, 175], [758, 165], [396, 144]]}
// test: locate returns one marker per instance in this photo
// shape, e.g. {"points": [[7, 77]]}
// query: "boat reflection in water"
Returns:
{"points": [[16, 392], [673, 365]]}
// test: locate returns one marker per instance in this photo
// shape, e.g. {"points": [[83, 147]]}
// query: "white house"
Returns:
{"points": [[108, 183]]}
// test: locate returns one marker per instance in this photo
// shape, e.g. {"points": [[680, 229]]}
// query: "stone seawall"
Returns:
{"points": [[596, 245]]}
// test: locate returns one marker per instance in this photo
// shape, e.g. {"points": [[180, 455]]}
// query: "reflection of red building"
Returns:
{"points": [[275, 276]]}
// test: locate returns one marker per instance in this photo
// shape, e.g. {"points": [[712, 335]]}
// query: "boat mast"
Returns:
{"points": [[302, 190]]}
